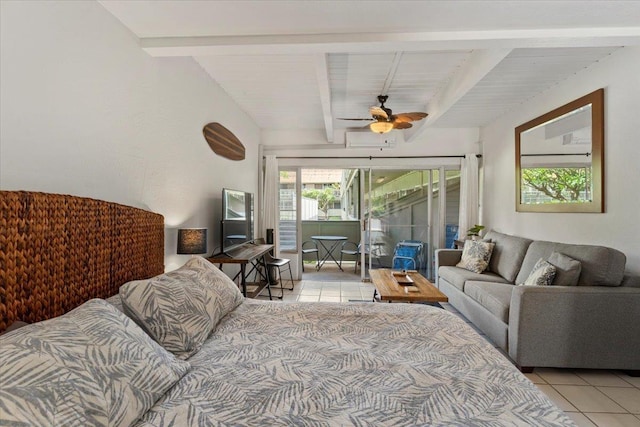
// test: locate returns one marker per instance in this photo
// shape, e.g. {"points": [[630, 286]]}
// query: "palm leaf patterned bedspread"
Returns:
{"points": [[333, 364]]}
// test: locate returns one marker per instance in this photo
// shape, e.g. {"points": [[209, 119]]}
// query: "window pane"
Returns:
{"points": [[287, 224], [453, 207]]}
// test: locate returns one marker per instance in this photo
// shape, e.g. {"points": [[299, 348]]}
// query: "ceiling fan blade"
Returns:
{"points": [[409, 117], [402, 125], [342, 118], [378, 112]]}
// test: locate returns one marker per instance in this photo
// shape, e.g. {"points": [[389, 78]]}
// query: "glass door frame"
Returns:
{"points": [[435, 234], [442, 165]]}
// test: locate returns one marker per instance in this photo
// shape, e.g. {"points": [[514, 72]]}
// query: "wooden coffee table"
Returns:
{"points": [[389, 290]]}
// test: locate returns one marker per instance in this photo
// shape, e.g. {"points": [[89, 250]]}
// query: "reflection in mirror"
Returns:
{"points": [[559, 159]]}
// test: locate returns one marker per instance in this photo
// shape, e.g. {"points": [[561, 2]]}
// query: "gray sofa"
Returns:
{"points": [[595, 324]]}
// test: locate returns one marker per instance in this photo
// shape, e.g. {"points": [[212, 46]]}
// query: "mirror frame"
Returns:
{"points": [[596, 99]]}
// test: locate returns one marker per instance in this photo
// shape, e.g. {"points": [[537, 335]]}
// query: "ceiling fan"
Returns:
{"points": [[384, 120]]}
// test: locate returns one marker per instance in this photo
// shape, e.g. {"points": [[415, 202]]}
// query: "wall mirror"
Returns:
{"points": [[560, 158]]}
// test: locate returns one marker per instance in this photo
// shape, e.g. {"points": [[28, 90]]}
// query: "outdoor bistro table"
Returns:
{"points": [[334, 241]]}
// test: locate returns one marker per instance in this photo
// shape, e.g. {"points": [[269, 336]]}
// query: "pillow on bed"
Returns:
{"points": [[179, 309], [92, 366]]}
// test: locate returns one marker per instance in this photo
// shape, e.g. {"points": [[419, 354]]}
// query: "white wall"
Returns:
{"points": [[619, 74], [85, 111]]}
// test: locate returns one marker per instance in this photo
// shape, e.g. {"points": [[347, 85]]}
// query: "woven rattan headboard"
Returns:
{"points": [[58, 251]]}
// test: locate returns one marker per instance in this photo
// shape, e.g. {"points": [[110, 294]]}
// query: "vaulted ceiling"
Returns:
{"points": [[306, 64]]}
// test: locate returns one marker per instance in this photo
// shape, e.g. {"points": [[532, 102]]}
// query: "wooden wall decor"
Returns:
{"points": [[223, 142]]}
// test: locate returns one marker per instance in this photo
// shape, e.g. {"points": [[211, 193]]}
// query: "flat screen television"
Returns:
{"points": [[237, 219]]}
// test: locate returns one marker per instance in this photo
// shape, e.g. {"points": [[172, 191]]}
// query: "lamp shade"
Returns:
{"points": [[192, 240], [381, 127]]}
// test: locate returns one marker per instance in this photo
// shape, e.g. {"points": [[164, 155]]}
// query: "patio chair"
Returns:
{"points": [[310, 247], [353, 249], [350, 249], [407, 255]]}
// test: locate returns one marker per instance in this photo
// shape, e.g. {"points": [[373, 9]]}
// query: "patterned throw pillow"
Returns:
{"points": [[179, 309], [541, 275], [90, 367], [476, 255]]}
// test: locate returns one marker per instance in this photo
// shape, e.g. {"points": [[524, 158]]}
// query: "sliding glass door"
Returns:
{"points": [[397, 216], [405, 214]]}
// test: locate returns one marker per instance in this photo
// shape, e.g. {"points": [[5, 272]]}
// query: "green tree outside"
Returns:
{"points": [[559, 184], [325, 197]]}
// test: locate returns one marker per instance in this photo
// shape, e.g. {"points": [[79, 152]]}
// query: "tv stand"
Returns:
{"points": [[248, 253]]}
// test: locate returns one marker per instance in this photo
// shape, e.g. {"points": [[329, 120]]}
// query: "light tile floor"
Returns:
{"points": [[590, 397]]}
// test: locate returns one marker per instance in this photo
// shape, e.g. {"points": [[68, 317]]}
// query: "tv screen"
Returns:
{"points": [[237, 219]]}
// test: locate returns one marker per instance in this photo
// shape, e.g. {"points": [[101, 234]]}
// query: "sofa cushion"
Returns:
{"points": [[542, 274], [601, 266], [631, 281], [508, 253], [493, 296], [476, 255], [567, 269], [458, 276]]}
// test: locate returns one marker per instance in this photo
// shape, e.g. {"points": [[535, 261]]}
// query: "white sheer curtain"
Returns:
{"points": [[468, 194], [270, 196]]}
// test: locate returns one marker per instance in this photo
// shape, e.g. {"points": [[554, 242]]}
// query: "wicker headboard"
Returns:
{"points": [[58, 251]]}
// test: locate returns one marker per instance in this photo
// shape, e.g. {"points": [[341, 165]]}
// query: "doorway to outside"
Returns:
{"points": [[384, 217]]}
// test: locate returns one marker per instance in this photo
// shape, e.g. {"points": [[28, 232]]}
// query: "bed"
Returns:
{"points": [[146, 348]]}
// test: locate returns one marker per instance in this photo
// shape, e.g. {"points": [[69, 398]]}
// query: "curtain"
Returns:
{"points": [[270, 196], [468, 194]]}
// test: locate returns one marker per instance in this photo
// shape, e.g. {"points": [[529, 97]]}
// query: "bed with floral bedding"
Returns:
{"points": [[186, 349]]}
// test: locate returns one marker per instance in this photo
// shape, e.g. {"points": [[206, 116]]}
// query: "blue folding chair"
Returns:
{"points": [[408, 255]]}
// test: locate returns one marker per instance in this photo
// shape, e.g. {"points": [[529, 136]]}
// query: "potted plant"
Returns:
{"points": [[474, 232]]}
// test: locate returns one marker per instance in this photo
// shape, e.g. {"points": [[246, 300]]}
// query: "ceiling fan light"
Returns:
{"points": [[381, 127]]}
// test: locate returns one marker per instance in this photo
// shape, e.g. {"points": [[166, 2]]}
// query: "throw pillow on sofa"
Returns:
{"points": [[476, 255], [567, 269], [542, 274]]}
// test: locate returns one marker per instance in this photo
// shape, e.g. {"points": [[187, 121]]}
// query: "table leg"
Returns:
{"points": [[243, 279], [333, 248], [268, 276], [326, 255], [329, 254]]}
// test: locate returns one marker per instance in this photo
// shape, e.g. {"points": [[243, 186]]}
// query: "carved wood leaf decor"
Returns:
{"points": [[223, 142]]}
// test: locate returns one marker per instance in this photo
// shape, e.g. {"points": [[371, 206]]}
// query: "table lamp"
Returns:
{"points": [[192, 240]]}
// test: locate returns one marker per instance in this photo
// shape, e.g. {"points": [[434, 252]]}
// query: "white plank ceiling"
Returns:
{"points": [[306, 64]]}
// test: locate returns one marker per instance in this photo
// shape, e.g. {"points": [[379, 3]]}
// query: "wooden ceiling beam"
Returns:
{"points": [[322, 73], [480, 63]]}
